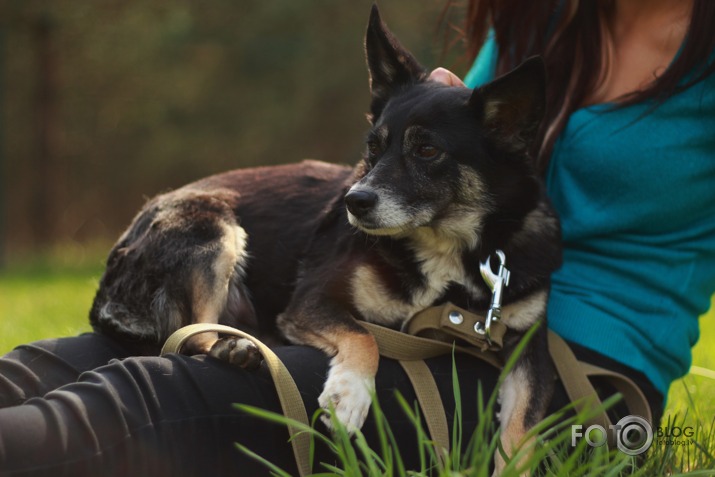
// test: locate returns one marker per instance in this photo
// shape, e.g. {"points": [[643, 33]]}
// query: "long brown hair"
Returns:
{"points": [[568, 34]]}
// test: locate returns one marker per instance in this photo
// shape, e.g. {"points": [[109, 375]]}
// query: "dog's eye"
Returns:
{"points": [[426, 151], [373, 149]]}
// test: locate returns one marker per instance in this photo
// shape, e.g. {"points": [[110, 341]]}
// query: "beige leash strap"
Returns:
{"points": [[411, 351], [633, 396], [401, 346], [578, 387], [448, 321], [574, 376], [444, 323], [288, 393], [430, 402]]}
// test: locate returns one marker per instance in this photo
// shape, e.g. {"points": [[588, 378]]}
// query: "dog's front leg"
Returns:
{"points": [[355, 356], [351, 378]]}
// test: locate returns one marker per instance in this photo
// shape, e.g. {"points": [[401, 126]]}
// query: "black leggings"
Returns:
{"points": [[82, 407]]}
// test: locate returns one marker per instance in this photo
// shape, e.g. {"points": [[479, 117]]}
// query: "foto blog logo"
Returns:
{"points": [[633, 435]]}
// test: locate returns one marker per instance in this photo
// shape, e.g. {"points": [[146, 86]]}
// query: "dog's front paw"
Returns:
{"points": [[348, 394], [237, 351]]}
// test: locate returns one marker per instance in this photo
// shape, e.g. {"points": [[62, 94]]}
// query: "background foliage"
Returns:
{"points": [[105, 103]]}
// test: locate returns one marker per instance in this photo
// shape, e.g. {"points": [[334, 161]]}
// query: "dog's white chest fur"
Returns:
{"points": [[440, 262]]}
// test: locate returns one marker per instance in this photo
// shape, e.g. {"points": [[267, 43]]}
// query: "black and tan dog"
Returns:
{"points": [[297, 252]]}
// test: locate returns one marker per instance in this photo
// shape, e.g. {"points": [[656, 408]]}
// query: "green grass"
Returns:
{"points": [[51, 298], [46, 299]]}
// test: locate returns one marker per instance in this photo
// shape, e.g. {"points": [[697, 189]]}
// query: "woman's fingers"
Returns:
{"points": [[443, 75]]}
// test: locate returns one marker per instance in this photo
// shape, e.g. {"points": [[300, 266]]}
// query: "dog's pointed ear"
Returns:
{"points": [[512, 106], [389, 64]]}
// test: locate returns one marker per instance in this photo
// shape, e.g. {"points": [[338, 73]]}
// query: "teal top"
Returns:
{"points": [[635, 190]]}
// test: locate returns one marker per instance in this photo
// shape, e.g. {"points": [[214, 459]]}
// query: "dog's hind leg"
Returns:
{"points": [[210, 285], [181, 261], [524, 396], [218, 292]]}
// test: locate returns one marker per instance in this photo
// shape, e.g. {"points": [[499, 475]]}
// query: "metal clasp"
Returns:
{"points": [[496, 282]]}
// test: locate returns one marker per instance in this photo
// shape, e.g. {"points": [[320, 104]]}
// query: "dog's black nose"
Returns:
{"points": [[360, 202]]}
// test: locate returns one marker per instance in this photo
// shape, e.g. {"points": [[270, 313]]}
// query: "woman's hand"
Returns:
{"points": [[443, 75]]}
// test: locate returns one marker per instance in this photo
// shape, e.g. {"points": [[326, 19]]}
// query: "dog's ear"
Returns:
{"points": [[390, 65], [512, 106]]}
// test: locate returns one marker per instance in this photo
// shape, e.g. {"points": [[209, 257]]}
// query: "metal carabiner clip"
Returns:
{"points": [[496, 282]]}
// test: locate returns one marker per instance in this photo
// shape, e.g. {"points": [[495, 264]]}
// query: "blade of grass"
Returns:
{"points": [[270, 465]]}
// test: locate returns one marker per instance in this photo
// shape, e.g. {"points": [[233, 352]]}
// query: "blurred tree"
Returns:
{"points": [[48, 178]]}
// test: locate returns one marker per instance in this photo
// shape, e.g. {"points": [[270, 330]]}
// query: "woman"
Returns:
{"points": [[627, 153], [629, 159]]}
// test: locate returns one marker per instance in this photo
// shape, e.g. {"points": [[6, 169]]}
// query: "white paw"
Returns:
{"points": [[349, 395]]}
